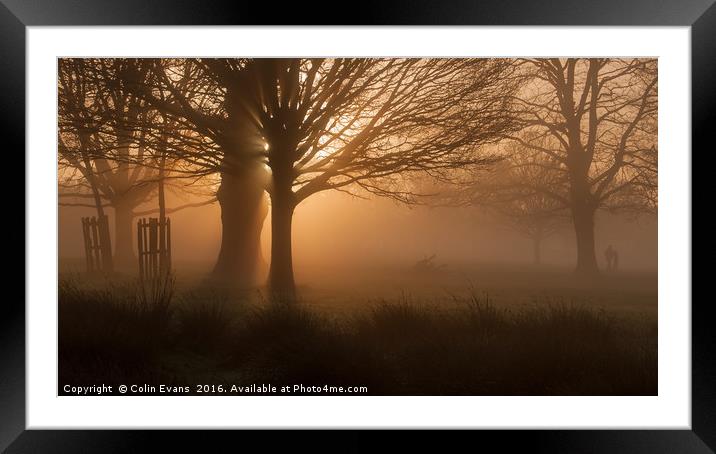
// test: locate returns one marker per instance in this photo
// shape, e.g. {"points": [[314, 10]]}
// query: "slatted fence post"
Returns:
{"points": [[154, 243], [162, 246], [140, 249], [85, 239], [105, 243], [169, 244], [153, 246], [145, 243], [95, 243]]}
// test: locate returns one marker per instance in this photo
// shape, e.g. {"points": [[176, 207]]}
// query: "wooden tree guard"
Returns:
{"points": [[98, 248], [154, 239]]}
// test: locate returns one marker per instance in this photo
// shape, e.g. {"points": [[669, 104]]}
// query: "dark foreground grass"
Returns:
{"points": [[142, 335]]}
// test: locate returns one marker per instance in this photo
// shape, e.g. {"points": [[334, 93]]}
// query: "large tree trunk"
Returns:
{"points": [[124, 257], [281, 281], [243, 210], [583, 208], [583, 217], [123, 205]]}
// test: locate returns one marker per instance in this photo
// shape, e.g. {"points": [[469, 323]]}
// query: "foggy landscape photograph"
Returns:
{"points": [[357, 226]]}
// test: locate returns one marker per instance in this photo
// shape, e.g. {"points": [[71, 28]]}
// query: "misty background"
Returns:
{"points": [[335, 230]]}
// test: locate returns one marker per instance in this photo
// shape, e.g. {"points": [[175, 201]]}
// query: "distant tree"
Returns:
{"points": [[596, 120], [520, 193], [521, 189]]}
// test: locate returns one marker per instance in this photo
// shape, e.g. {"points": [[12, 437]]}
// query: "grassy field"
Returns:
{"points": [[460, 331], [336, 290]]}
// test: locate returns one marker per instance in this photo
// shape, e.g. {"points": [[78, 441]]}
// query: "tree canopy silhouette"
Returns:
{"points": [[594, 120], [518, 191], [295, 127], [98, 139]]}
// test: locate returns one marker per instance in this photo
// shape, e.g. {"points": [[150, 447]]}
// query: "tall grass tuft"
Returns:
{"points": [[154, 300], [114, 334], [205, 322]]}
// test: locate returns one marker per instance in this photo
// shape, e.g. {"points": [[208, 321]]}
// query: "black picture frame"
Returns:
{"points": [[16, 15]]}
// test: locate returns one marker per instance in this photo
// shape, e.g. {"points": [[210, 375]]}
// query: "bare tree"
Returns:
{"points": [[295, 127], [333, 124], [519, 192], [596, 120], [214, 138], [97, 133]]}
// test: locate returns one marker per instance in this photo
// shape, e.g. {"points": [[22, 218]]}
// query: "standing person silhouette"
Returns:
{"points": [[609, 254], [615, 260]]}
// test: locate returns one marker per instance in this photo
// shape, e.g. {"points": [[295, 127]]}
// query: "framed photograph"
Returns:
{"points": [[464, 216]]}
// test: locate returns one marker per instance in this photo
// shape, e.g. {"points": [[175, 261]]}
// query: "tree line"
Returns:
{"points": [[540, 142]]}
